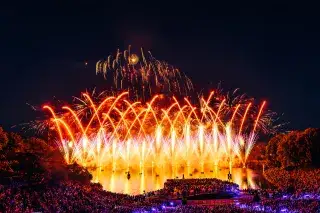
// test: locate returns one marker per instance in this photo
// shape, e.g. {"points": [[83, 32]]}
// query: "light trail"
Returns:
{"points": [[134, 135]]}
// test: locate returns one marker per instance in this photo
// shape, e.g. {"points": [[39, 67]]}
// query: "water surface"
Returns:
{"points": [[151, 180]]}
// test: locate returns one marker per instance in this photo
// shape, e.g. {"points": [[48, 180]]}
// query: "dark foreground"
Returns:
{"points": [[71, 196]]}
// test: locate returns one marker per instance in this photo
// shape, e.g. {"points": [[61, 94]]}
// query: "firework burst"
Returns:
{"points": [[143, 76], [130, 134]]}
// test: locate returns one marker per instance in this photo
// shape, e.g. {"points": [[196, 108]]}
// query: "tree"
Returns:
{"points": [[15, 143], [78, 173], [37, 146], [312, 136], [3, 139], [5, 165], [294, 150], [297, 149], [33, 159], [27, 164], [258, 152], [271, 150]]}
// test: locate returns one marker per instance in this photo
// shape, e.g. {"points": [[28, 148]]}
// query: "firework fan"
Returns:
{"points": [[143, 76], [133, 134]]}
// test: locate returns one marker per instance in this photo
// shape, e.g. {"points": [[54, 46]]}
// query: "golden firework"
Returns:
{"points": [[133, 59], [134, 135]]}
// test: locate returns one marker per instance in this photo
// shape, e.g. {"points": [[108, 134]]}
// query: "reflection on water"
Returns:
{"points": [[151, 180]]}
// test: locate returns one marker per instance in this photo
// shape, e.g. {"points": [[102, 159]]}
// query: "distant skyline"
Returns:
{"points": [[270, 52]]}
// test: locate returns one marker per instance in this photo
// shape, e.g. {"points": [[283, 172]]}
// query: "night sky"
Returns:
{"points": [[270, 52]]}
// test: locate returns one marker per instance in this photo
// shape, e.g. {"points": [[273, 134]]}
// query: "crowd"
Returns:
{"points": [[72, 196], [300, 180], [291, 205], [198, 186], [269, 206], [280, 205], [68, 197]]}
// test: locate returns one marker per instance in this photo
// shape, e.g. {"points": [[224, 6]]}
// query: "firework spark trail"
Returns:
{"points": [[244, 117], [260, 111], [143, 79], [138, 134]]}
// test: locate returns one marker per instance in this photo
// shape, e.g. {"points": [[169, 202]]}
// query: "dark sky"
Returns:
{"points": [[269, 51]]}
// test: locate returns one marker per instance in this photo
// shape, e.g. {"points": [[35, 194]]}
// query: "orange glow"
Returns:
{"points": [[260, 111], [134, 135], [244, 117]]}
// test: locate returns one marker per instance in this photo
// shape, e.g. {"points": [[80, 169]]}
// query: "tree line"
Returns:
{"points": [[295, 149], [29, 157], [34, 160]]}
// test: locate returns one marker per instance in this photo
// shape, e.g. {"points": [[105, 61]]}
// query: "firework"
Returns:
{"points": [[134, 135], [143, 76], [148, 117]]}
